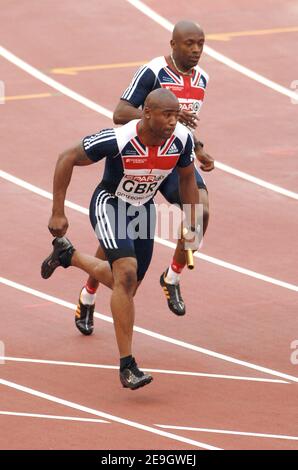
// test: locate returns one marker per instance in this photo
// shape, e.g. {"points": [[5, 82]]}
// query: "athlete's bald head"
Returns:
{"points": [[187, 44], [160, 114], [161, 98], [186, 27]]}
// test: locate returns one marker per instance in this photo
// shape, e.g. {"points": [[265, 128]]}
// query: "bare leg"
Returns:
{"points": [[122, 304], [123, 281], [97, 269], [92, 282]]}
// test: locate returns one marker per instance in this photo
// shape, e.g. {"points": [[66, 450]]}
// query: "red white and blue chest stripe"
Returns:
{"points": [[190, 90], [134, 171], [144, 167]]}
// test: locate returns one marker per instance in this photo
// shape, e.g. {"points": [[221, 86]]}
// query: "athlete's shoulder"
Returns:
{"points": [[157, 64], [182, 132], [100, 145], [126, 132], [102, 136]]}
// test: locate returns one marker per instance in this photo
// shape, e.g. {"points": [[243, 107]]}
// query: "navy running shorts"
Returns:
{"points": [[169, 188], [123, 230]]}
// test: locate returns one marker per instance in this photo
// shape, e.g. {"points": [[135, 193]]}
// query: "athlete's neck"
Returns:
{"points": [[180, 68], [147, 136]]}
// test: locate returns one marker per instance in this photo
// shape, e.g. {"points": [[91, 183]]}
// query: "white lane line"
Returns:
{"points": [[234, 267], [152, 334], [107, 416], [101, 110], [54, 84], [153, 15], [257, 181], [233, 433], [64, 418], [161, 241], [158, 371], [39, 191]]}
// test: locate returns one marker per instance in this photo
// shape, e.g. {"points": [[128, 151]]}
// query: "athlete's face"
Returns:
{"points": [[188, 48], [163, 120]]}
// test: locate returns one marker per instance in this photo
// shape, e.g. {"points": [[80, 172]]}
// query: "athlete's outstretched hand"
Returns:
{"points": [[207, 162], [188, 119], [58, 225]]}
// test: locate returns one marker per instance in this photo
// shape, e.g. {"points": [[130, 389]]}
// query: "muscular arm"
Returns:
{"points": [[63, 172], [134, 96], [76, 156], [125, 112]]}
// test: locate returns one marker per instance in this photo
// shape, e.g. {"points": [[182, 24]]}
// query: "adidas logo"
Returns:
{"points": [[172, 149]]}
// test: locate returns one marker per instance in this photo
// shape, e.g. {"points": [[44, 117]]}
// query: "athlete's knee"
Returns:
{"points": [[127, 279], [125, 274]]}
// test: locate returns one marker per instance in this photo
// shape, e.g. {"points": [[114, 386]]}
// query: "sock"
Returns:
{"points": [[173, 274], [125, 362], [88, 295]]}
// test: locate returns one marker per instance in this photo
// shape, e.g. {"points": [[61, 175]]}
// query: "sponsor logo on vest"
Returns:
{"points": [[173, 87], [167, 79], [193, 106], [172, 149], [196, 106], [143, 178], [135, 160], [186, 106], [131, 152]]}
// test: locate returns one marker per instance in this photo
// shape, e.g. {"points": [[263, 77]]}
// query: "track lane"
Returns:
{"points": [[241, 329], [254, 217]]}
